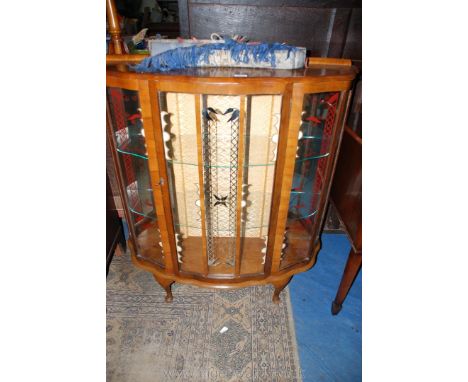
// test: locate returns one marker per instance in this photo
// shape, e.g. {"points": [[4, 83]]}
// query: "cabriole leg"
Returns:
{"points": [[279, 286], [166, 284]]}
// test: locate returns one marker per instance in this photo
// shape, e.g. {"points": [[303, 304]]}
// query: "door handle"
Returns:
{"points": [[160, 183]]}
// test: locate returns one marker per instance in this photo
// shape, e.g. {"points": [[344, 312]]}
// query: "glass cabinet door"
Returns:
{"points": [[129, 140], [220, 155], [313, 150]]}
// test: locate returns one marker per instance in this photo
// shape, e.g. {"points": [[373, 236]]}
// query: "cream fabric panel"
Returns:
{"points": [[179, 123]]}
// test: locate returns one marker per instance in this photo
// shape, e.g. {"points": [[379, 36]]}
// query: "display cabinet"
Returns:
{"points": [[225, 173]]}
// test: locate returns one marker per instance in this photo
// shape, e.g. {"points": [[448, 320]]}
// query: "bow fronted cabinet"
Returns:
{"points": [[225, 173]]}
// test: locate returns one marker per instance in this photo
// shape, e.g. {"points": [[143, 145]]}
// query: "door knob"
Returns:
{"points": [[160, 183]]}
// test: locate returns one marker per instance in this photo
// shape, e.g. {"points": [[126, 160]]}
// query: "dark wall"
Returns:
{"points": [[327, 28]]}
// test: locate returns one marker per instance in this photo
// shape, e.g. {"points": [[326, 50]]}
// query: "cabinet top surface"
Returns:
{"points": [[314, 72]]}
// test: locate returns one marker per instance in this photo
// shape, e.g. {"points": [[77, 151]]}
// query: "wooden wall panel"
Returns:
{"points": [[184, 28], [353, 44], [337, 38], [286, 3], [327, 28], [261, 23]]}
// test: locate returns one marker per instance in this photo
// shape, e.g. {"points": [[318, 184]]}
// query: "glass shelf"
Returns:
{"points": [[314, 137], [312, 146], [136, 151], [133, 154], [198, 226], [300, 193], [313, 157], [302, 204], [152, 216], [171, 161], [140, 202], [306, 216], [134, 148], [260, 151]]}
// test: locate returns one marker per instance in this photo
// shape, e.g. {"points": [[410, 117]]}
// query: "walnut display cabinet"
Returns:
{"points": [[225, 173]]}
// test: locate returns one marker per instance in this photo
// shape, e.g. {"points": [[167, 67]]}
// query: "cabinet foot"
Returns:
{"points": [[279, 286], [335, 308], [166, 285], [353, 265]]}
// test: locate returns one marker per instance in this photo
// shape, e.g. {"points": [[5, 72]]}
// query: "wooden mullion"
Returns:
{"points": [[201, 182], [286, 103], [122, 82], [196, 86], [240, 177], [289, 160], [120, 181], [154, 169], [164, 200]]}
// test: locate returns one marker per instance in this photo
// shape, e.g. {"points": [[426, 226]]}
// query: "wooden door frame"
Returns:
{"points": [[292, 93], [287, 159], [234, 87]]}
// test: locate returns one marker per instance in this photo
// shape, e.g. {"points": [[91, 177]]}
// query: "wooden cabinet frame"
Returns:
{"points": [[292, 89]]}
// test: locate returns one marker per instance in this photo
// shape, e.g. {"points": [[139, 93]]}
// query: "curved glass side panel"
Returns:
{"points": [[316, 131], [129, 139]]}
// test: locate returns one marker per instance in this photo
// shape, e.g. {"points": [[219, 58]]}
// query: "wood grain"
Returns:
{"points": [[240, 177], [249, 269], [167, 230], [114, 27], [201, 183], [112, 59], [288, 155], [153, 164], [353, 44], [326, 28], [346, 191], [262, 78], [328, 61], [277, 183], [285, 3], [298, 26]]}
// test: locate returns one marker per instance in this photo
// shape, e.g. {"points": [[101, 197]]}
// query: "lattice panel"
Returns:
{"points": [[220, 135]]}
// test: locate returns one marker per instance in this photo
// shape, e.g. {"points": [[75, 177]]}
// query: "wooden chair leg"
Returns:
{"points": [[166, 284], [351, 270], [279, 286]]}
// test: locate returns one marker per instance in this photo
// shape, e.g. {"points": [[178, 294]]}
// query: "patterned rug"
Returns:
{"points": [[203, 335]]}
